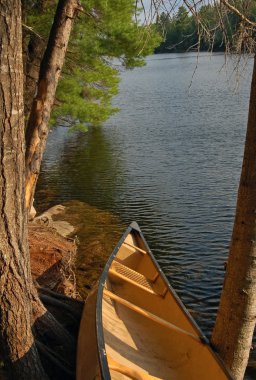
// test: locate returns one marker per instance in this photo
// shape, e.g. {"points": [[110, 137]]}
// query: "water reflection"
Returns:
{"points": [[79, 164]]}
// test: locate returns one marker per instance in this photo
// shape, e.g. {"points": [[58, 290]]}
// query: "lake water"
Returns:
{"points": [[171, 160]]}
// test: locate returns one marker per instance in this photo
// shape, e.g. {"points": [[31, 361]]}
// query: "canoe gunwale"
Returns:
{"points": [[104, 369], [103, 363]]}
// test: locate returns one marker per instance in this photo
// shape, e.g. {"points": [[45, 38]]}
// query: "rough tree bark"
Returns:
{"points": [[16, 339], [50, 69], [235, 323]]}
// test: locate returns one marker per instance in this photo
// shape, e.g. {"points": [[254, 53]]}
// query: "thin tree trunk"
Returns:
{"points": [[50, 69], [235, 323], [33, 53], [16, 338]]}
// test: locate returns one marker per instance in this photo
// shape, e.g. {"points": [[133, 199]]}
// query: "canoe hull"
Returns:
{"points": [[141, 329]]}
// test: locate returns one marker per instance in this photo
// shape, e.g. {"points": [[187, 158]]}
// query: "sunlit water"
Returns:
{"points": [[171, 160]]}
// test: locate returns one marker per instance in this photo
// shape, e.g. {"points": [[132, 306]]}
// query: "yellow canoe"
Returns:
{"points": [[134, 326]]}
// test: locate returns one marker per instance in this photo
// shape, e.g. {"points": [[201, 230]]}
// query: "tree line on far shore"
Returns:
{"points": [[183, 32]]}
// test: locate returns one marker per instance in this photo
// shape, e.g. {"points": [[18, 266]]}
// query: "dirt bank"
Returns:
{"points": [[52, 259]]}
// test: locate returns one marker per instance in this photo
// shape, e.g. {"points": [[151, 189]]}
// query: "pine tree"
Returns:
{"points": [[106, 36]]}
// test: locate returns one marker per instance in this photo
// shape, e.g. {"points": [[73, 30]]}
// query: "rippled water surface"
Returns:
{"points": [[171, 160]]}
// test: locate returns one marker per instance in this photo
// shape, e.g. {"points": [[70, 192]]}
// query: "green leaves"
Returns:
{"points": [[86, 95], [104, 32]]}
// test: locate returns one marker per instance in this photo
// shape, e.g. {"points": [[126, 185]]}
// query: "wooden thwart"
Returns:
{"points": [[150, 316], [135, 278], [155, 277], [115, 273], [134, 374], [128, 274], [137, 248]]}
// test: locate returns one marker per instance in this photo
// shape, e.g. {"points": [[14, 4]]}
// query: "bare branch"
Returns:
{"points": [[32, 31], [237, 12]]}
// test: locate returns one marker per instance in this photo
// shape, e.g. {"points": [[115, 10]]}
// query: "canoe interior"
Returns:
{"points": [[143, 330]]}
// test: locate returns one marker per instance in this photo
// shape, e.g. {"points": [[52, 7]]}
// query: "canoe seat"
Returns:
{"points": [[127, 274]]}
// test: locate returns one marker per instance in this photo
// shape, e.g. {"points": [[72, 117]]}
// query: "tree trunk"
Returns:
{"points": [[235, 323], [33, 53], [50, 69], [16, 339]]}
